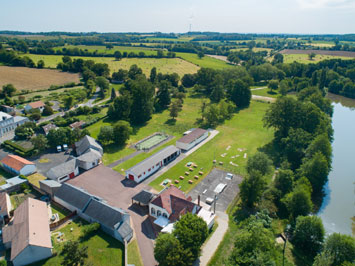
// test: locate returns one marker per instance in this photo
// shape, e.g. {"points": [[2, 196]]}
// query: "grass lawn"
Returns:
{"points": [[88, 118], [163, 65], [205, 61], [35, 178], [61, 212], [103, 250], [46, 95], [303, 58], [134, 257], [266, 92], [244, 131], [160, 122], [17, 198]]}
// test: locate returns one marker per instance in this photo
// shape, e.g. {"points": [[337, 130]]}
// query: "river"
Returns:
{"points": [[338, 208]]}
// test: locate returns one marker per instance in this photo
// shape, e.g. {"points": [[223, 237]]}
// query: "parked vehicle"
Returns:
{"points": [[229, 176], [65, 147], [59, 148]]}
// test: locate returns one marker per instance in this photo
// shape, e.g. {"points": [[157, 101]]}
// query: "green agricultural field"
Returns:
{"points": [[205, 61], [167, 39], [244, 131], [102, 49], [164, 65], [47, 94], [303, 58], [103, 250]]}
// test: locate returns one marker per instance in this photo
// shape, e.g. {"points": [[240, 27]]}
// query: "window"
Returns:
{"points": [[159, 213], [157, 165], [149, 170], [164, 215], [139, 176], [152, 211]]}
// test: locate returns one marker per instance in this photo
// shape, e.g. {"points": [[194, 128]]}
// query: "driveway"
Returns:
{"points": [[117, 191], [207, 186], [263, 98]]}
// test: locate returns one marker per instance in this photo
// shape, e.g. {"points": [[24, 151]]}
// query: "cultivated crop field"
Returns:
{"points": [[104, 50], [320, 52], [303, 58], [163, 65], [24, 78]]}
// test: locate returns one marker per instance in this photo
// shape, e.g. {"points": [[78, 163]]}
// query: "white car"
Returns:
{"points": [[65, 147], [59, 148], [229, 176], [209, 201], [220, 188]]}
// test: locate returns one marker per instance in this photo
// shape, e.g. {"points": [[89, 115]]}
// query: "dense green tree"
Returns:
{"points": [[273, 85], [103, 84], [239, 93], [200, 54], [121, 107], [337, 250], [117, 55], [308, 235], [120, 76], [259, 162], [191, 231], [121, 132], [320, 144], [188, 80], [25, 131], [113, 94], [322, 79], [316, 170], [284, 87], [47, 110], [68, 102], [134, 70], [174, 109], [278, 58], [40, 64], [39, 142], [8, 90], [106, 135], [163, 97], [284, 181], [74, 254], [35, 114], [311, 56], [252, 188], [90, 87], [101, 69], [168, 251], [153, 74], [59, 136]]}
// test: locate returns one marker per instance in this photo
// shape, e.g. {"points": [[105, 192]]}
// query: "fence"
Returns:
{"points": [[54, 225]]}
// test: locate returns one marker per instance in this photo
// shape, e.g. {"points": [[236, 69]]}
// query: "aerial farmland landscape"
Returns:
{"points": [[177, 133]]}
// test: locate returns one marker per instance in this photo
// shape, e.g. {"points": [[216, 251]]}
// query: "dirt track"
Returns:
{"points": [[24, 78]]}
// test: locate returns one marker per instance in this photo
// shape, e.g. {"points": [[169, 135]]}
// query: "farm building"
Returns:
{"points": [[29, 236], [49, 186], [64, 171], [152, 164], [114, 221], [48, 128], [35, 105], [191, 139], [89, 159], [5, 207], [18, 165], [87, 143], [8, 123]]}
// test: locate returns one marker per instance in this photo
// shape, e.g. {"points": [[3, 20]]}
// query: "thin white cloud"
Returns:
{"points": [[312, 4]]}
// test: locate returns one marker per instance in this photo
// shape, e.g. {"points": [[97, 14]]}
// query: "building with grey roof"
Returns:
{"points": [[89, 159], [82, 146], [149, 166], [8, 123], [114, 221], [64, 171], [191, 139], [49, 186]]}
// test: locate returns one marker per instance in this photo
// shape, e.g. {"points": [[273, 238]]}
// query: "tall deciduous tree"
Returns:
{"points": [[121, 107], [73, 254], [239, 93], [163, 97], [259, 162], [121, 132], [252, 188]]}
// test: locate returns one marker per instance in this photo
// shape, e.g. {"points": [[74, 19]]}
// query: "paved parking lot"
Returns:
{"points": [[48, 160], [207, 186]]}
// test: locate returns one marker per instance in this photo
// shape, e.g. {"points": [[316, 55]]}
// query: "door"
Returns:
{"points": [[71, 175], [131, 177]]}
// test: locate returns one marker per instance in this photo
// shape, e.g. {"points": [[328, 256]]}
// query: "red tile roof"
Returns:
{"points": [[37, 104], [174, 201], [15, 162]]}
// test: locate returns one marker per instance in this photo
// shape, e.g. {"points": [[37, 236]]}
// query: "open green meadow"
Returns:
{"points": [[163, 65], [46, 95], [102, 49], [205, 61], [266, 92], [238, 138], [304, 58]]}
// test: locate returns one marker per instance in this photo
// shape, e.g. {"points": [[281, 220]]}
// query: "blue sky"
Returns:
{"points": [[259, 16]]}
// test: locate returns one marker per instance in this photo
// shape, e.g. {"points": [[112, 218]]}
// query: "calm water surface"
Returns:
{"points": [[338, 208]]}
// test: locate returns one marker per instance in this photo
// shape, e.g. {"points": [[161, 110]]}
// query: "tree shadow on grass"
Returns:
{"points": [[170, 122], [241, 213], [272, 92]]}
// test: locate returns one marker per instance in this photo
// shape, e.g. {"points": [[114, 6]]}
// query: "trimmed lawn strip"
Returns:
{"points": [[244, 131], [266, 92], [61, 212], [35, 178], [134, 257]]}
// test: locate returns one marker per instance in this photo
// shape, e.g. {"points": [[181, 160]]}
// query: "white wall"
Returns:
{"points": [[31, 254], [156, 211], [88, 165], [188, 146], [28, 169], [154, 169]]}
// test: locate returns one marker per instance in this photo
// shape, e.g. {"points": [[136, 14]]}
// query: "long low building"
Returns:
{"points": [[191, 139], [149, 166]]}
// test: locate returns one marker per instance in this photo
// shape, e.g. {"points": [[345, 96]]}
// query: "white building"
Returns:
{"points": [[8, 123], [85, 144], [64, 171], [89, 159], [29, 235], [191, 139], [149, 166], [18, 165]]}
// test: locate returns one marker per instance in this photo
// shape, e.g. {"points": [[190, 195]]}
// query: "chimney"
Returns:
{"points": [[198, 200]]}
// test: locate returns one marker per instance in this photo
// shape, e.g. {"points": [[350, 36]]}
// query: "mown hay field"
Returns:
{"points": [[163, 65], [24, 78]]}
